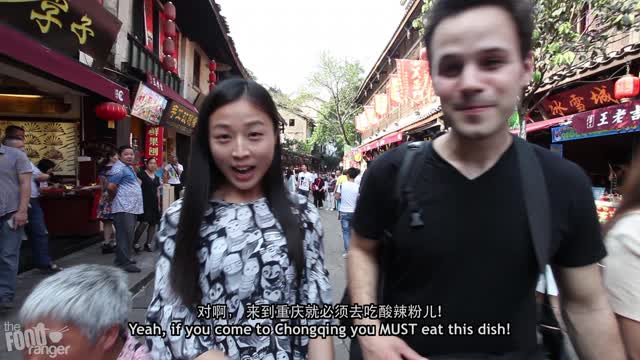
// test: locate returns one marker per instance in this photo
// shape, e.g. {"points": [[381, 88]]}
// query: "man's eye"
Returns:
{"points": [[493, 63], [450, 70]]}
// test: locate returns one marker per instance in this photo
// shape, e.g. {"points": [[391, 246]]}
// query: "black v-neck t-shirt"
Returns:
{"points": [[474, 257]]}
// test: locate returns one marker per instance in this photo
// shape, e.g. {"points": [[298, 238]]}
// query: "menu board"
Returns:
{"points": [[148, 105], [56, 141]]}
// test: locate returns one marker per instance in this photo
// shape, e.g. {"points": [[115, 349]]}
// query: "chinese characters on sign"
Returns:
{"points": [[606, 121], [153, 144], [181, 118], [580, 99], [415, 82], [66, 25]]}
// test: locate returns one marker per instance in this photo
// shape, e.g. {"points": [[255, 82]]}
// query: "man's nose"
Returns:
{"points": [[470, 79]]}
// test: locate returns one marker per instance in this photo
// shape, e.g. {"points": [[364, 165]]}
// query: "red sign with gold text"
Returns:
{"points": [[416, 85], [580, 99], [153, 144], [617, 117]]}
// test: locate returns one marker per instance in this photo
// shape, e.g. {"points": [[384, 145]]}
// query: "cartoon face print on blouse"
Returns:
{"points": [[282, 355], [224, 214], [274, 296], [169, 248], [235, 236], [272, 276], [253, 241], [232, 348], [214, 264], [249, 278], [215, 293], [233, 272], [244, 217], [273, 252], [264, 218]]}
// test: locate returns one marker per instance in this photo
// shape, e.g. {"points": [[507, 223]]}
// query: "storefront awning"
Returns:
{"points": [[157, 85], [26, 50], [541, 125]]}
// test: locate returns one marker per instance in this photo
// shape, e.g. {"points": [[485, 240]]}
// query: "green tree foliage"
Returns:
{"points": [[331, 94], [567, 35]]}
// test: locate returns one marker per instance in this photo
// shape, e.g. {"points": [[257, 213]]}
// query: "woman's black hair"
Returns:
{"points": [[289, 173], [103, 164], [147, 160], [122, 148], [185, 268], [45, 165]]}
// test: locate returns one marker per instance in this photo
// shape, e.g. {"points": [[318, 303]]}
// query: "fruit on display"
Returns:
{"points": [[606, 208]]}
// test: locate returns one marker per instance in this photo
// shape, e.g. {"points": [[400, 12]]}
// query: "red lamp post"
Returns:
{"points": [[111, 112]]}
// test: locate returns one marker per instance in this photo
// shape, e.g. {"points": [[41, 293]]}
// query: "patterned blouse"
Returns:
{"points": [[243, 260], [133, 350], [129, 195]]}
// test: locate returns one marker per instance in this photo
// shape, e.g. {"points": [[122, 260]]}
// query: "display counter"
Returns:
{"points": [[70, 212]]}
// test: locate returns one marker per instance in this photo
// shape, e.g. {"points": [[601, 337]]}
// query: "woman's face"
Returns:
{"points": [[152, 165], [242, 143], [127, 156]]}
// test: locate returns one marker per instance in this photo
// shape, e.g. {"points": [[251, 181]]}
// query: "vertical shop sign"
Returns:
{"points": [[153, 144], [148, 24]]}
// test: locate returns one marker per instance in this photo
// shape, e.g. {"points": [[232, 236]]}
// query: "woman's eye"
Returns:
{"points": [[255, 135], [222, 137]]}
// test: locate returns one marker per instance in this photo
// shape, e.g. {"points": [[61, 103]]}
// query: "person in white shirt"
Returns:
{"points": [[305, 179], [347, 193], [173, 170]]}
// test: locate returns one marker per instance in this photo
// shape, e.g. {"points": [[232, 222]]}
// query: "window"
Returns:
{"points": [[196, 69], [292, 122]]}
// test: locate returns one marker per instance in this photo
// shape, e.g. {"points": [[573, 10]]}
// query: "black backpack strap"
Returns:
{"points": [[536, 198], [408, 176]]}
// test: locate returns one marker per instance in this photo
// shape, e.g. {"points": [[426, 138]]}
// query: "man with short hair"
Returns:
{"points": [[15, 185], [473, 254], [305, 179], [37, 228], [173, 174], [88, 305], [347, 193], [340, 178]]}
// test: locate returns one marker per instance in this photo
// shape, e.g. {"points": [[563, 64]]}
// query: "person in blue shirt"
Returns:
{"points": [[124, 187]]}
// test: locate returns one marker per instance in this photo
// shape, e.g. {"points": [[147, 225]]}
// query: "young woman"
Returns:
{"points": [[124, 188], [238, 237], [291, 181], [104, 206], [622, 265], [151, 216]]}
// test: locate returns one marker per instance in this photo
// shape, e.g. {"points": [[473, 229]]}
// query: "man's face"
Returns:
{"points": [[16, 144], [304, 168], [478, 71], [70, 343], [173, 159]]}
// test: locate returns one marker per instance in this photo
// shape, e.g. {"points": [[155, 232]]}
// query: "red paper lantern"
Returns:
{"points": [[212, 86], [212, 77], [213, 66], [423, 53], [111, 112], [170, 63], [170, 29], [169, 46], [627, 87], [170, 10]]}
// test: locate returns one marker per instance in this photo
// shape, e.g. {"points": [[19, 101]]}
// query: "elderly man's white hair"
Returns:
{"points": [[90, 297]]}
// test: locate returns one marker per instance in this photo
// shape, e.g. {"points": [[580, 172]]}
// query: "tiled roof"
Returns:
{"points": [[626, 53], [225, 29]]}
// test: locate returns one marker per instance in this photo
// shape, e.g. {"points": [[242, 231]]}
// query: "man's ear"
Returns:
{"points": [[109, 338], [528, 66]]}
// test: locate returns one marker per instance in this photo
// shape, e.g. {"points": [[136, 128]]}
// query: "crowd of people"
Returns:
{"points": [[245, 232]]}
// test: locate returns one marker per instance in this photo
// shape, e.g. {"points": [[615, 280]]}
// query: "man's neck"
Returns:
{"points": [[453, 147]]}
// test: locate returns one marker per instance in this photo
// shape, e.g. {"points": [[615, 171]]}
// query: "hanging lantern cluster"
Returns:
{"points": [[169, 44], [111, 112], [213, 78]]}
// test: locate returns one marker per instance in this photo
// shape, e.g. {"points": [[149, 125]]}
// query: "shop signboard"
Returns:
{"points": [[180, 118], [153, 144], [618, 117], [568, 133], [580, 99], [148, 105], [68, 26]]}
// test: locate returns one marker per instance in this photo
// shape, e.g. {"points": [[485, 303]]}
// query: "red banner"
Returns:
{"points": [[395, 90], [148, 24], [381, 104], [617, 117], [415, 81], [370, 116], [153, 144], [580, 99]]}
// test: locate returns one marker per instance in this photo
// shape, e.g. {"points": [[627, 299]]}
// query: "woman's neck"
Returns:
{"points": [[233, 195]]}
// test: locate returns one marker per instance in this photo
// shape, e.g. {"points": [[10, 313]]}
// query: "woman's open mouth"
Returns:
{"points": [[244, 173]]}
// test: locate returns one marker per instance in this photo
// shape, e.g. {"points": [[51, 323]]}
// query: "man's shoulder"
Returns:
{"points": [[556, 167], [390, 160]]}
